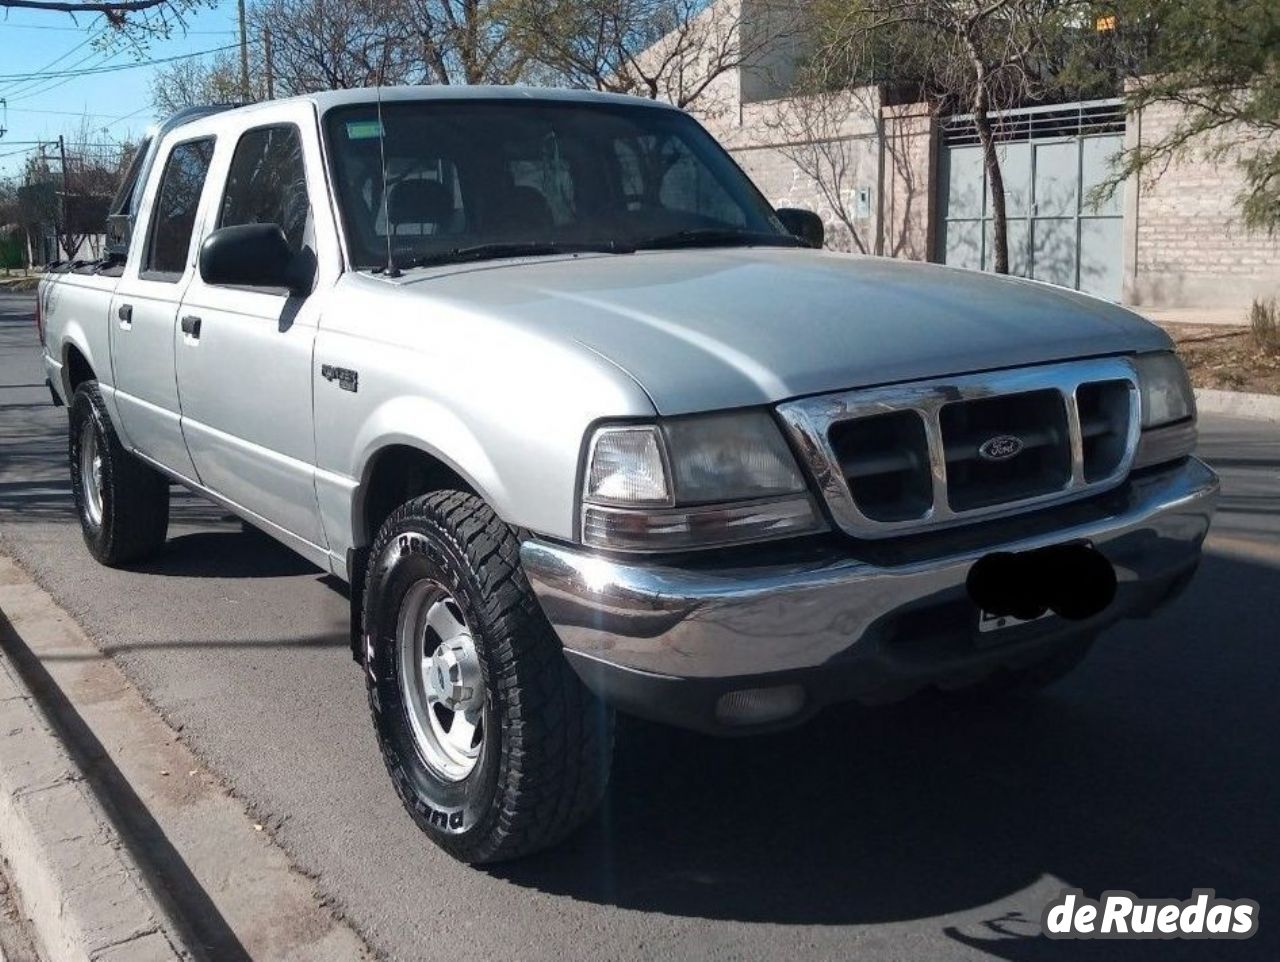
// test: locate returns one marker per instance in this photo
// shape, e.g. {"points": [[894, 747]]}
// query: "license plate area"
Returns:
{"points": [[1074, 581], [989, 623]]}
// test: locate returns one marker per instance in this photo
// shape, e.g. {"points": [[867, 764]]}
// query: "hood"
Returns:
{"points": [[708, 329]]}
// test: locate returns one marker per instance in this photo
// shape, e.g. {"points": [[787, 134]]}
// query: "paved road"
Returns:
{"points": [[905, 833]]}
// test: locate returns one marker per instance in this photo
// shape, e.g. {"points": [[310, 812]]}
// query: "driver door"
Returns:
{"points": [[244, 354]]}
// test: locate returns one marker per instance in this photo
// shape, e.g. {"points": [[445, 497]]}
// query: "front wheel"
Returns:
{"points": [[494, 746], [123, 503]]}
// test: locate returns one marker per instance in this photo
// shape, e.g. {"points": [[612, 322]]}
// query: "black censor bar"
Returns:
{"points": [[1074, 581]]}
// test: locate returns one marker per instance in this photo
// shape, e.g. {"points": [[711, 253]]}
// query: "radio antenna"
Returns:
{"points": [[392, 270]]}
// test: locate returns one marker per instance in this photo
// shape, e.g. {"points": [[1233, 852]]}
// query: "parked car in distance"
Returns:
{"points": [[588, 426]]}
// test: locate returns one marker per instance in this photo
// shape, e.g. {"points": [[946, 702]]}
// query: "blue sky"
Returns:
{"points": [[120, 101]]}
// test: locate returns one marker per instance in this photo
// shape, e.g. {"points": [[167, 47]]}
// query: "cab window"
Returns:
{"points": [[267, 183], [176, 204]]}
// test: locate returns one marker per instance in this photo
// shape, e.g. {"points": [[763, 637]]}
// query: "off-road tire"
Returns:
{"points": [[544, 762], [135, 496]]}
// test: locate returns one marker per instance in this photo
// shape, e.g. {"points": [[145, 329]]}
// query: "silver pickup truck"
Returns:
{"points": [[587, 425]]}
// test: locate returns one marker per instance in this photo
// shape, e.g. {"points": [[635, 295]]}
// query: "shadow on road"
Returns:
{"points": [[1154, 769], [233, 553]]}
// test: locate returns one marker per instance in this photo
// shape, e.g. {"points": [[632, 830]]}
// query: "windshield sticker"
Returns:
{"points": [[363, 129]]}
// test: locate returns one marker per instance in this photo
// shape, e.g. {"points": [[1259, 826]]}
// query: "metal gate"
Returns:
{"points": [[1052, 158]]}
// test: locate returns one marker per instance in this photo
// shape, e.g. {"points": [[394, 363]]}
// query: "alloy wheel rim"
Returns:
{"points": [[91, 473], [440, 681]]}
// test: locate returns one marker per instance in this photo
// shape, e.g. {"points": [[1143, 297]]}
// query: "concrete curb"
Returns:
{"points": [[1264, 407], [86, 899], [225, 890]]}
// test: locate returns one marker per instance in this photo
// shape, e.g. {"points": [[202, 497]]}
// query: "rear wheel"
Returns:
{"points": [[495, 747], [123, 503]]}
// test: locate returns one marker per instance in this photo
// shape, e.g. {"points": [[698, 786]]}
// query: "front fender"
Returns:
{"points": [[422, 423]]}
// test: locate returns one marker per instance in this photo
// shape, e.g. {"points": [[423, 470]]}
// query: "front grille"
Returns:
{"points": [[944, 452], [885, 459], [1042, 464]]}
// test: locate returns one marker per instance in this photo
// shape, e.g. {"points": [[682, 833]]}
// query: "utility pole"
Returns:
{"points": [[244, 57], [62, 207], [266, 53]]}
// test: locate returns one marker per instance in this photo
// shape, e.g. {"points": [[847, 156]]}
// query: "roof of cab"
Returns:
{"points": [[328, 99]]}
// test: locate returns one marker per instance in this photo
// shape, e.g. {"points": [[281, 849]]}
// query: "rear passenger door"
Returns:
{"points": [[144, 310], [244, 356]]}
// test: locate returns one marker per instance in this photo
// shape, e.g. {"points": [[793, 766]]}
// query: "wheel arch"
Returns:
{"points": [[395, 472], [76, 367]]}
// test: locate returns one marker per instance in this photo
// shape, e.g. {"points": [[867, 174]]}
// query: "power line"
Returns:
{"points": [[128, 116], [92, 36], [34, 144], [40, 87], [40, 26], [47, 144], [92, 71], [14, 153], [65, 113], [27, 89]]}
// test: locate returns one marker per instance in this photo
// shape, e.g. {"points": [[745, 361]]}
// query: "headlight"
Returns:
{"points": [[693, 483], [1166, 389], [1168, 410]]}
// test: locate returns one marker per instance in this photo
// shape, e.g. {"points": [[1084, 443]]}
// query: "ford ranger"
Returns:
{"points": [[587, 426]]}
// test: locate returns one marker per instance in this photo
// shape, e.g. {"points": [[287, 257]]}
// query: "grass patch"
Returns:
{"points": [[1264, 325]]}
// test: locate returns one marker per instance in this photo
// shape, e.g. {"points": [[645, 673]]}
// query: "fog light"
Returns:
{"points": [[759, 706]]}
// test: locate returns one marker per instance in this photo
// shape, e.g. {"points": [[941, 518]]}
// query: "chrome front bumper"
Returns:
{"points": [[887, 618]]}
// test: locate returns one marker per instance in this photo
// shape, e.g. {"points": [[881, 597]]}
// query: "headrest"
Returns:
{"points": [[528, 209], [420, 202]]}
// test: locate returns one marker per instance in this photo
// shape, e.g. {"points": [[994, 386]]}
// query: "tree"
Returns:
{"points": [[985, 55], [192, 82], [337, 44], [13, 244], [462, 41], [812, 132], [672, 50], [1218, 61], [140, 17], [333, 44], [70, 198]]}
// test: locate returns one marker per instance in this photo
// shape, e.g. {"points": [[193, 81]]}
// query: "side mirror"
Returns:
{"points": [[804, 224], [254, 255]]}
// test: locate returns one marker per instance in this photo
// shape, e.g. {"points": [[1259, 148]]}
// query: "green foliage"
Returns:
{"points": [[1264, 325], [1218, 61], [12, 252]]}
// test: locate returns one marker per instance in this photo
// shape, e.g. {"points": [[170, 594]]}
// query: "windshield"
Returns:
{"points": [[473, 179]]}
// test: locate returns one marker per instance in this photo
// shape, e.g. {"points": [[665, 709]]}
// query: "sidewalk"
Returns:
{"points": [[84, 896], [121, 844], [16, 944], [1218, 316]]}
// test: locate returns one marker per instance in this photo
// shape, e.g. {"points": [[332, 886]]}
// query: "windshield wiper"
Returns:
{"points": [[720, 237], [483, 252]]}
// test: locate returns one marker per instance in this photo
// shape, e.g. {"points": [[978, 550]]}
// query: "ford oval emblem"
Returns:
{"points": [[1000, 448]]}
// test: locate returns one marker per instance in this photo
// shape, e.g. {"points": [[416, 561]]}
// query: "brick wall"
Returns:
{"points": [[910, 182], [1185, 244], [870, 180]]}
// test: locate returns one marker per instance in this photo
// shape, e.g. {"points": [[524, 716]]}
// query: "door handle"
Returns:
{"points": [[191, 327], [125, 313]]}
